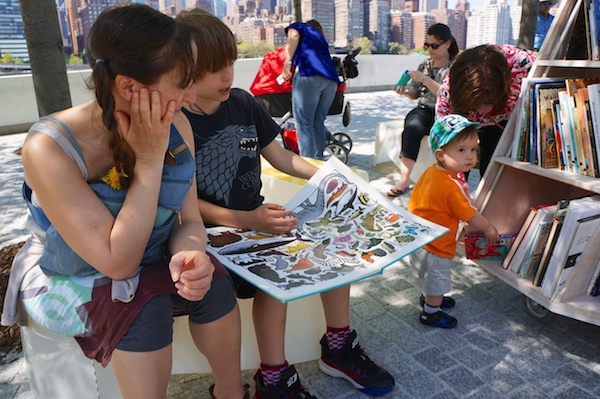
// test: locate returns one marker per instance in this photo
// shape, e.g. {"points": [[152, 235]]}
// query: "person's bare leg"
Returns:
{"points": [[435, 301], [406, 167], [220, 341], [269, 317], [336, 305], [142, 375]]}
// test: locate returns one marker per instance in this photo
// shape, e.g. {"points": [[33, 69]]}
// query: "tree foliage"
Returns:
{"points": [[7, 58], [365, 44], [254, 49], [397, 48], [74, 59]]}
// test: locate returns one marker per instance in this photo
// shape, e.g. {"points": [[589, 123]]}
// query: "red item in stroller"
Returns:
{"points": [[277, 100]]}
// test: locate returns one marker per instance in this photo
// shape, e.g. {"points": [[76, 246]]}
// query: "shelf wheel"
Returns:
{"points": [[537, 311]]}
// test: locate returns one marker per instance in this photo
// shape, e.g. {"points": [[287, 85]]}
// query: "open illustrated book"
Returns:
{"points": [[347, 231]]}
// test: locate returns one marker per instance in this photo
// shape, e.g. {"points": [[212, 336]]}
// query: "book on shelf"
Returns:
{"points": [[594, 112], [347, 231], [584, 231], [477, 247], [593, 288], [579, 47], [532, 241], [595, 28], [516, 242], [557, 220], [545, 132], [577, 209], [558, 124], [557, 133]]}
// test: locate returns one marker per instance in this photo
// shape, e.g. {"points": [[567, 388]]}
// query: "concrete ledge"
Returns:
{"points": [[388, 144]]}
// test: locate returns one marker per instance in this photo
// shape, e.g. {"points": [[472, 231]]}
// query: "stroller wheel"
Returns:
{"points": [[335, 150], [344, 140]]}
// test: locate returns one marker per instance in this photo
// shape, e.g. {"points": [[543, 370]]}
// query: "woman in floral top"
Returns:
{"points": [[423, 85], [484, 85]]}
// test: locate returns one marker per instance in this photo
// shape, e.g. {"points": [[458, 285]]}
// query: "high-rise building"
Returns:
{"points": [[402, 28], [421, 23], [324, 12], [12, 33], [206, 5], [378, 26], [515, 23], [456, 20], [171, 7], [81, 15], [489, 23], [63, 22], [428, 5], [349, 22]]}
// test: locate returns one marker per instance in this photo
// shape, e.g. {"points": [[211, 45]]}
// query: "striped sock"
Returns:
{"points": [[336, 337], [272, 374]]}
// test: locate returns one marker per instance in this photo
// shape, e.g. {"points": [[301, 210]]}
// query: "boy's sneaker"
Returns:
{"points": [[288, 387], [352, 363], [447, 302], [438, 319]]}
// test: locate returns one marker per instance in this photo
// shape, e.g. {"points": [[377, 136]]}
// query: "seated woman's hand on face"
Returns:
{"points": [[192, 273], [273, 219], [146, 129]]}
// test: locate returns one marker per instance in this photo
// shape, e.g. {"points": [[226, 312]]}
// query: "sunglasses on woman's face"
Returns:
{"points": [[434, 46], [546, 3]]}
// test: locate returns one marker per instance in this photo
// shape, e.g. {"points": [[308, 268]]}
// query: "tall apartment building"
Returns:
{"points": [[12, 33], [489, 23], [171, 7], [515, 22], [402, 28], [81, 15], [428, 5], [349, 21], [378, 27], [455, 19], [324, 12], [421, 23]]}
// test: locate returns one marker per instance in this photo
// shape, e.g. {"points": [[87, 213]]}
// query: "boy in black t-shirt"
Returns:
{"points": [[231, 131]]}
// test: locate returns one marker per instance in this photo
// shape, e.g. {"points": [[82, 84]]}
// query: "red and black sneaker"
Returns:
{"points": [[288, 387], [352, 363]]}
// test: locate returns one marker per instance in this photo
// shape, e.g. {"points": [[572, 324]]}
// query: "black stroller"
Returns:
{"points": [[277, 100]]}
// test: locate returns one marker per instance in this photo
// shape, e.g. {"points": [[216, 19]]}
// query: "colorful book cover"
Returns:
{"points": [[347, 231], [477, 247], [546, 134]]}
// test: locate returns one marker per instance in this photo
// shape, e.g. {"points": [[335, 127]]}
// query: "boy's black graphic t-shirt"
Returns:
{"points": [[228, 145]]}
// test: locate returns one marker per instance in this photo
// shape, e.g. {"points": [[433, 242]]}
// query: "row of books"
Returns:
{"points": [[559, 125], [550, 241], [585, 38]]}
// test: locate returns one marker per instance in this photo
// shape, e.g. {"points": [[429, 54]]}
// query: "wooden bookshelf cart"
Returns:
{"points": [[509, 188]]}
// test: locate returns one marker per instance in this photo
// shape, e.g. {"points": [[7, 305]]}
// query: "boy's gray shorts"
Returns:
{"points": [[433, 271]]}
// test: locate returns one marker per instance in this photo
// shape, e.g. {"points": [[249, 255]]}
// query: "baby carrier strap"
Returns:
{"points": [[69, 146]]}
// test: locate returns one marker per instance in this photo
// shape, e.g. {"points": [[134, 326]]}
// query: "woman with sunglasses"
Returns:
{"points": [[423, 85], [484, 85]]}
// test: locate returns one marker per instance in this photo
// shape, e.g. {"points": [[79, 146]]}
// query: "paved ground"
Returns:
{"points": [[497, 350]]}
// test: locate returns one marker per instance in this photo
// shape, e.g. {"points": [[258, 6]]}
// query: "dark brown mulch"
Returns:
{"points": [[10, 337]]}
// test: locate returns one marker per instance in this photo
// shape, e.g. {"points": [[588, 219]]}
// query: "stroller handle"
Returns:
{"points": [[353, 53]]}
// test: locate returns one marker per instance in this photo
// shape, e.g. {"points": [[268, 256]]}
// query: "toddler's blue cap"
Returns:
{"points": [[444, 130]]}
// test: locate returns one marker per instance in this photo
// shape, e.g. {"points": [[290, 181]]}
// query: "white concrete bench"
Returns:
{"points": [[388, 144], [58, 368]]}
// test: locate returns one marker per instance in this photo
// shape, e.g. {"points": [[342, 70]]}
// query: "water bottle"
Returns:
{"points": [[403, 79]]}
